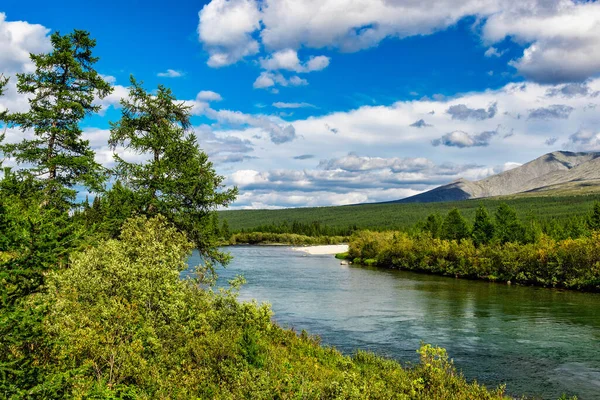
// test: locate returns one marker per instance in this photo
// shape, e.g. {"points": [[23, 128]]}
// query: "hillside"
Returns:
{"points": [[542, 205], [550, 172]]}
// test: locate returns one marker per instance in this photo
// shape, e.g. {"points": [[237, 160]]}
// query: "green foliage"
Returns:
{"points": [[177, 181], [3, 83], [594, 219], [569, 263], [507, 226], [455, 227], [433, 225], [35, 241], [283, 238], [483, 227], [61, 93], [126, 326], [404, 217]]}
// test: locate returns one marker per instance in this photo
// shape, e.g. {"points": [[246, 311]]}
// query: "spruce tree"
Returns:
{"points": [[61, 94], [177, 180], [594, 220], [455, 227], [433, 225], [508, 228], [483, 227]]}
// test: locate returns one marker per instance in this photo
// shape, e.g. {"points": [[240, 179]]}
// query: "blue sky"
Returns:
{"points": [[302, 102]]}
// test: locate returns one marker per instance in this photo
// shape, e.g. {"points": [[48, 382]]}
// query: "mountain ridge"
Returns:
{"points": [[550, 170]]}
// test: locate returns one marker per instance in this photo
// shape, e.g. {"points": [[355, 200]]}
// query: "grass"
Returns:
{"points": [[403, 216]]}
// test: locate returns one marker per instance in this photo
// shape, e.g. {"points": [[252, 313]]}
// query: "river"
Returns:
{"points": [[539, 342]]}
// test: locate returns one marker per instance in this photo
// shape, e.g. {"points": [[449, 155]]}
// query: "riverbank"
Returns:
{"points": [[285, 239], [323, 250], [570, 264]]}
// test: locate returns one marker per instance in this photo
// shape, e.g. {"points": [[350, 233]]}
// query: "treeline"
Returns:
{"points": [[499, 249], [504, 226], [284, 238], [313, 229], [91, 301]]}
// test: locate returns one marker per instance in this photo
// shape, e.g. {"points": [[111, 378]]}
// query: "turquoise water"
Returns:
{"points": [[539, 342]]}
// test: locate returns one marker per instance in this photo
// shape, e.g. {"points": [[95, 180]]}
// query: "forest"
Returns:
{"points": [[499, 248], [92, 304]]}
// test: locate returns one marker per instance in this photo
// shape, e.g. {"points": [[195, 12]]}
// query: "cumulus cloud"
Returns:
{"points": [[554, 111], [353, 163], [17, 40], [462, 112], [226, 28], [269, 79], [170, 73], [561, 38], [278, 130], [585, 140], [349, 180], [572, 90], [463, 139], [287, 59], [420, 124], [208, 95], [494, 52]]}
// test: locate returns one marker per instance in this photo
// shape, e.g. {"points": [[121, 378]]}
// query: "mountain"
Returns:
{"points": [[550, 172]]}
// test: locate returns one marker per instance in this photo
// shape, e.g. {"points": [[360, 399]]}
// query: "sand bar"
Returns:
{"points": [[320, 250]]}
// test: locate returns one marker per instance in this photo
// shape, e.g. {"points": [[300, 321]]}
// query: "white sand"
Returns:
{"points": [[321, 250]]}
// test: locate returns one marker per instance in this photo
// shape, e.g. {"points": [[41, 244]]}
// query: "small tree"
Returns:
{"points": [[594, 220], [177, 180], [508, 227], [455, 227], [61, 93], [433, 225], [483, 227]]}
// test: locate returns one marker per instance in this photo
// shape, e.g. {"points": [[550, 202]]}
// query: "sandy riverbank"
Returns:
{"points": [[320, 250]]}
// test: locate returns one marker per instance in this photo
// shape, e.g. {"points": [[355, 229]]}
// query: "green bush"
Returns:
{"points": [[125, 326], [569, 263]]}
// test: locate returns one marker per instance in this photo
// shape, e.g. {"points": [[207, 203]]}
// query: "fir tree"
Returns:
{"points": [[178, 181], [433, 225], [594, 220], [61, 93], [455, 227], [483, 227], [508, 228]]}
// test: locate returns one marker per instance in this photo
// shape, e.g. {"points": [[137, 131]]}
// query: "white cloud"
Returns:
{"points": [[561, 37], [494, 52], [207, 95], [280, 104], [170, 73], [226, 28], [17, 40], [287, 59], [269, 79]]}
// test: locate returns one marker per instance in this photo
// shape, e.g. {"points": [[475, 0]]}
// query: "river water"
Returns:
{"points": [[539, 342]]}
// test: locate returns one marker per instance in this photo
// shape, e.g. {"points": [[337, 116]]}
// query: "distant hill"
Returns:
{"points": [[557, 172]]}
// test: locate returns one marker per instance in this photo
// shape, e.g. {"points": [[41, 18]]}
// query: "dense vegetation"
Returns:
{"points": [[551, 213], [501, 248], [91, 301]]}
